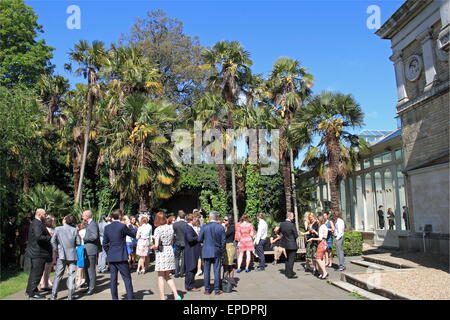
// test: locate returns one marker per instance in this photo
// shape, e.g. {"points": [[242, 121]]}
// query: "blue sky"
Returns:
{"points": [[330, 38]]}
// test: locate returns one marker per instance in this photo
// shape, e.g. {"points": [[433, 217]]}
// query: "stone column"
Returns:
{"points": [[429, 62], [445, 30], [399, 77]]}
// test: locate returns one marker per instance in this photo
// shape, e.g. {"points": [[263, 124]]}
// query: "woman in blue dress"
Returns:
{"points": [[81, 277]]}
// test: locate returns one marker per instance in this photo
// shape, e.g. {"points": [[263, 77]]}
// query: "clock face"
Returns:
{"points": [[413, 67]]}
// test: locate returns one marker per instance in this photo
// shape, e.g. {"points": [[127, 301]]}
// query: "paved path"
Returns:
{"points": [[269, 284]]}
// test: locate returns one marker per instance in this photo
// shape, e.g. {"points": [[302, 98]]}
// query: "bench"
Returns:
{"points": [[300, 243]]}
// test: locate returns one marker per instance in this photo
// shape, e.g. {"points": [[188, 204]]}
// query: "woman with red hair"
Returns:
{"points": [[165, 258]]}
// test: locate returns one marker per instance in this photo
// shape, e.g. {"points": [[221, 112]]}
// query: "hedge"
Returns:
{"points": [[353, 244]]}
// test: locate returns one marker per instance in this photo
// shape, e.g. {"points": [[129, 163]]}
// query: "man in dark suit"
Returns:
{"points": [[64, 241], [289, 242], [91, 245], [212, 235], [178, 228], [38, 250], [114, 243], [191, 252]]}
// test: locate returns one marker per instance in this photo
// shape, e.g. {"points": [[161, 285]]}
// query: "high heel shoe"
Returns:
{"points": [[238, 270]]}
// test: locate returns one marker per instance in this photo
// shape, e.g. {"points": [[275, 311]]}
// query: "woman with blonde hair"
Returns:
{"points": [[143, 235], [165, 258], [312, 230], [244, 236], [321, 248]]}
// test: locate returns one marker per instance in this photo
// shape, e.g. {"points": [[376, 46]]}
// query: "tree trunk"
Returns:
{"points": [[26, 181], [240, 193], [287, 182], [294, 191], [78, 199], [333, 159], [222, 177], [51, 110], [233, 184], [143, 200]]}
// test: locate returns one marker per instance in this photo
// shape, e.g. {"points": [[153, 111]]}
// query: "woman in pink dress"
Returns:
{"points": [[244, 236]]}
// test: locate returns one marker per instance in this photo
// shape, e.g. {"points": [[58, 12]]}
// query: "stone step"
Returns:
{"points": [[391, 264], [351, 288], [364, 284], [371, 265]]}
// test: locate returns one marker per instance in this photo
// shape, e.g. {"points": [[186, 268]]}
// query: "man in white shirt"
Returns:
{"points": [[260, 241], [339, 228]]}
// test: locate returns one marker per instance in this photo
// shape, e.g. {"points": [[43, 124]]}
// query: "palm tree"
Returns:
{"points": [[70, 131], [228, 63], [146, 169], [51, 90], [128, 72], [91, 59], [289, 86], [328, 115]]}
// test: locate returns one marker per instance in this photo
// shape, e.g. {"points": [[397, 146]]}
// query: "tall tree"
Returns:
{"points": [[91, 58], [176, 55], [289, 86], [329, 116], [23, 58], [51, 90], [228, 64]]}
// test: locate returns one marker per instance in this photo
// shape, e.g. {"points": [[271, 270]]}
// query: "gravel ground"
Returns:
{"points": [[429, 280], [421, 283]]}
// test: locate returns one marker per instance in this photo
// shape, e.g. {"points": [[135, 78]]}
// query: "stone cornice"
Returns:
{"points": [[401, 17], [429, 94]]}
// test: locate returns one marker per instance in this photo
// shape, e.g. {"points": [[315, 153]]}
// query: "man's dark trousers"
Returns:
{"points": [[260, 252], [179, 260], [207, 266], [189, 280], [91, 276], [122, 267], [289, 264], [37, 270]]}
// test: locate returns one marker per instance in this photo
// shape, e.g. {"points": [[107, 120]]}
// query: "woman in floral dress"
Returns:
{"points": [[244, 236], [165, 258]]}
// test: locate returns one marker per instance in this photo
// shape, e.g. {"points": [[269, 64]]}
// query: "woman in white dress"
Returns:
{"points": [[165, 258], [143, 235]]}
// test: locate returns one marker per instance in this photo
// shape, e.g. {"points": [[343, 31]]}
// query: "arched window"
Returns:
{"points": [[370, 202]]}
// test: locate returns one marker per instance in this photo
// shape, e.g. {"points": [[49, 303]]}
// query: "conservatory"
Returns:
{"points": [[377, 180]]}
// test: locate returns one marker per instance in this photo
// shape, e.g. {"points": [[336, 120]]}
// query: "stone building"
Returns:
{"points": [[419, 35]]}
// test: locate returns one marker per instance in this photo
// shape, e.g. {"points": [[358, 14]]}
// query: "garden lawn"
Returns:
{"points": [[12, 281]]}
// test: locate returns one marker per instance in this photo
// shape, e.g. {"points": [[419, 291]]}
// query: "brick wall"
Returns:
{"points": [[426, 129]]}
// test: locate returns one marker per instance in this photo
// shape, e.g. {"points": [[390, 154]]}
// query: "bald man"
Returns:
{"points": [[92, 246], [39, 250]]}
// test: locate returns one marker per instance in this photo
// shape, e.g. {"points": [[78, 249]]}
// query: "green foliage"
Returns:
{"points": [[22, 58], [197, 177], [353, 244], [162, 39], [54, 201], [254, 192], [214, 200]]}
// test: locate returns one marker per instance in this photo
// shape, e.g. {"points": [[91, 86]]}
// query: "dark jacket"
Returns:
{"points": [[212, 235], [114, 241], [39, 245], [289, 233], [91, 240], [192, 248], [178, 228]]}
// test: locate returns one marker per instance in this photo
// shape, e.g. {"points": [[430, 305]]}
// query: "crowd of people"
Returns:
{"points": [[183, 246]]}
